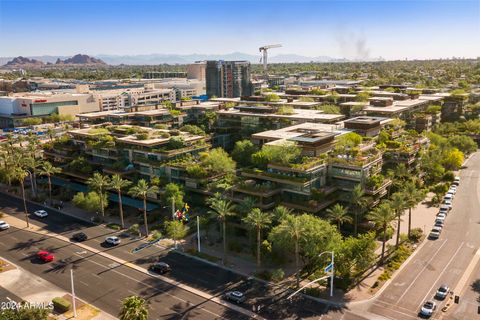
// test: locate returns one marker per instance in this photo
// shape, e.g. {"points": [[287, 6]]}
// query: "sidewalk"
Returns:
{"points": [[18, 223], [34, 289]]}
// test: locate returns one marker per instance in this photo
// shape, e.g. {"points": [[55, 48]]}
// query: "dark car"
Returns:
{"points": [[160, 267], [79, 237]]}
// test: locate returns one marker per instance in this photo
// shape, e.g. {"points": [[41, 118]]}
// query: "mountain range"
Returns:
{"points": [[158, 58]]}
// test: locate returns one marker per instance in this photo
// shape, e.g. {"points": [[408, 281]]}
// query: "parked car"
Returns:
{"points": [[112, 240], [160, 267], [442, 292], [444, 209], [428, 308], [41, 213], [4, 225], [79, 237], [439, 224], [435, 233], [441, 216], [456, 180], [448, 203], [235, 296], [448, 196], [45, 256]]}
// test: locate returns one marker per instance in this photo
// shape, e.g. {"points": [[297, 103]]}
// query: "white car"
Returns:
{"points": [[435, 233], [441, 216], [448, 203], [428, 308], [448, 196], [4, 225], [442, 292], [113, 240], [41, 213], [444, 209]]}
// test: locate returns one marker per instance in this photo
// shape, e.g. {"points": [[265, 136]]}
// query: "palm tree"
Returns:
{"points": [[222, 209], [358, 201], [258, 220], [246, 206], [292, 225], [19, 174], [142, 190], [412, 197], [338, 214], [48, 170], [397, 203], [134, 308], [382, 216], [99, 183], [118, 184], [280, 213]]}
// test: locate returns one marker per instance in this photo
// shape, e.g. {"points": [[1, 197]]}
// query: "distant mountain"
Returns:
{"points": [[22, 62], [162, 58], [80, 59]]}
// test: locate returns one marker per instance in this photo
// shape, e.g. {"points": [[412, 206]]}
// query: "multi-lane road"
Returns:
{"points": [[104, 283]]}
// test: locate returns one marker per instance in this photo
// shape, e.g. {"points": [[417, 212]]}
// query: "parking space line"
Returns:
{"points": [[421, 271]]}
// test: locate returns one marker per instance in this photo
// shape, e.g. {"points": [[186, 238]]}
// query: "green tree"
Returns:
{"points": [[99, 183], [412, 197], [242, 152], [174, 194], [118, 184], [134, 308], [218, 161], [175, 230], [354, 255], [357, 200], [141, 190], [463, 143], [339, 215], [453, 159], [24, 312], [258, 220], [49, 170], [397, 203], [222, 209], [290, 230], [382, 216], [247, 205], [19, 175], [280, 212], [91, 201]]}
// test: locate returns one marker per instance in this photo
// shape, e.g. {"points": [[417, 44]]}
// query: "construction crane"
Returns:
{"points": [[264, 51]]}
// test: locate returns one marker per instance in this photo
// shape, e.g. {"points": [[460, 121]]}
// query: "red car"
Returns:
{"points": [[45, 256]]}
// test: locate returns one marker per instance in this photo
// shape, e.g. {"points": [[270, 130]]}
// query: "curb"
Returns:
{"points": [[145, 271]]}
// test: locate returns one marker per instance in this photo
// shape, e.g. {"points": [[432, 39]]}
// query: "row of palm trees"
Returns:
{"points": [[142, 189]]}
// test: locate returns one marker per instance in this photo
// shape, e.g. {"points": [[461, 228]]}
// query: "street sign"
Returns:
{"points": [[329, 268]]}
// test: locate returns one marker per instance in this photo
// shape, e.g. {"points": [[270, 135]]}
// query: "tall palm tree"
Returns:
{"points": [[222, 209], [338, 214], [280, 213], [99, 183], [141, 190], [397, 203], [358, 201], [48, 170], [382, 216], [292, 225], [412, 197], [258, 220], [246, 206], [134, 308], [19, 174], [118, 184]]}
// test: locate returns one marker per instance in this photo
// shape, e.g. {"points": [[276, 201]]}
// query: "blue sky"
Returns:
{"points": [[353, 29]]}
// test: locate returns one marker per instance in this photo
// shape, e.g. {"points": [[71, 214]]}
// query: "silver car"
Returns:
{"points": [[442, 292], [235, 296], [4, 225], [428, 308]]}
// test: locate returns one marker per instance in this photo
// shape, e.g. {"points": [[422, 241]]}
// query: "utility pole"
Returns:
{"points": [[333, 274], [73, 295], [173, 208], [198, 233]]}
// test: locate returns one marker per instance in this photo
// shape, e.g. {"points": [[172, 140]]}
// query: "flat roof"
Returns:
{"points": [[299, 114], [301, 129]]}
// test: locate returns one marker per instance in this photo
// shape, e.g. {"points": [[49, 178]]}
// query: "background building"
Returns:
{"points": [[228, 79]]}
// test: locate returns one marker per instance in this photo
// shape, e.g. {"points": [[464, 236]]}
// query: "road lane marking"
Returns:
{"points": [[441, 273], [390, 305], [396, 311], [463, 280], [421, 271]]}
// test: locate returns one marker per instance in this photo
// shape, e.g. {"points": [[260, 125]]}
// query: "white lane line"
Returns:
{"points": [[85, 284], [396, 311], [441, 273], [421, 271]]}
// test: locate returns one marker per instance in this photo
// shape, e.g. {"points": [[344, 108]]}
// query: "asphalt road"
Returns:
{"points": [[119, 281], [442, 261]]}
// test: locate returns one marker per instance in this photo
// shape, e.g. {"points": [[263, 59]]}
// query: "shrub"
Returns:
{"points": [[174, 132], [142, 136], [61, 305], [155, 235], [114, 226], [278, 275], [448, 176], [416, 234]]}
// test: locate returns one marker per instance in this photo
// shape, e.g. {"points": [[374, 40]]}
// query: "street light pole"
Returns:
{"points": [[333, 274], [198, 233], [173, 208], [73, 295]]}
